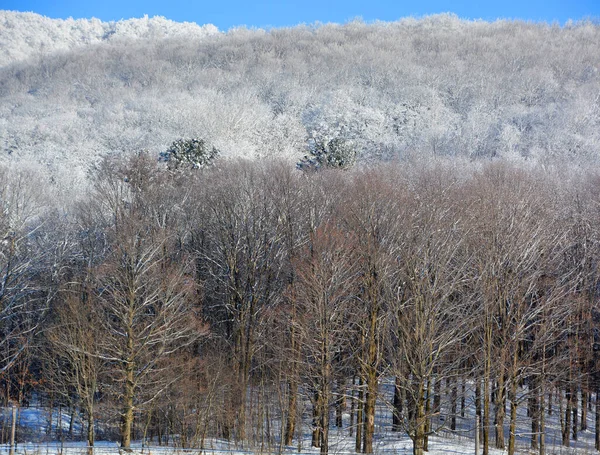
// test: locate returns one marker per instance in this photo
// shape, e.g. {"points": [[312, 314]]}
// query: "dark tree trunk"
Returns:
{"points": [[290, 424], [340, 404], [575, 424], [316, 433], [359, 416], [584, 409], [500, 411], [566, 434], [535, 419], [597, 419], [478, 410], [397, 412], [453, 404], [463, 396], [352, 408]]}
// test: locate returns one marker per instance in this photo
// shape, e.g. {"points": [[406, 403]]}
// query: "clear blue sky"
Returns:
{"points": [[271, 13]]}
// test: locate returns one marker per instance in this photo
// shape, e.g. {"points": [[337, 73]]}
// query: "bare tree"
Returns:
{"points": [[431, 314], [510, 244], [325, 288], [372, 214], [290, 192], [76, 357], [145, 287], [23, 297], [238, 241]]}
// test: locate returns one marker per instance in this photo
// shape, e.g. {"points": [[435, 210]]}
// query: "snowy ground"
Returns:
{"points": [[445, 441], [393, 445]]}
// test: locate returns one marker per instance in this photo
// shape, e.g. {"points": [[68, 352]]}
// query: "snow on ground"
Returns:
{"points": [[34, 419], [445, 441], [397, 446]]}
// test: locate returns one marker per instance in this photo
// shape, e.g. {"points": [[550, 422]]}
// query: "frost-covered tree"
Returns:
{"points": [[189, 153], [28, 35], [434, 87], [336, 153]]}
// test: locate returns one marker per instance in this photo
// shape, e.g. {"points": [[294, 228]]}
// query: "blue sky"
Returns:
{"points": [[271, 13]]}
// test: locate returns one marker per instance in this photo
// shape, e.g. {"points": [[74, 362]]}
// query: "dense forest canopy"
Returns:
{"points": [[28, 35], [431, 87]]}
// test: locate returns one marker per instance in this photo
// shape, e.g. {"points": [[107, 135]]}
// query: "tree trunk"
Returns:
{"points": [[542, 417], [90, 433], [500, 411], [486, 416], [324, 424], [352, 408], [243, 346], [316, 434], [290, 424], [372, 361], [340, 403], [128, 392], [535, 417], [437, 394], [397, 412], [478, 408], [427, 416], [566, 435], [584, 409], [359, 416], [597, 419], [369, 413], [13, 429], [127, 416], [575, 425], [71, 420], [59, 429], [487, 368], [419, 422], [453, 404], [513, 417], [225, 424], [514, 383], [159, 429], [243, 386], [463, 396]]}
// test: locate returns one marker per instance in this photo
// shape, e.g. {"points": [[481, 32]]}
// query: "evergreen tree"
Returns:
{"points": [[337, 153], [189, 153]]}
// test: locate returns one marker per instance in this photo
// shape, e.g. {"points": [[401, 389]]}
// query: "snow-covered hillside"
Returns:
{"points": [[427, 88], [27, 35]]}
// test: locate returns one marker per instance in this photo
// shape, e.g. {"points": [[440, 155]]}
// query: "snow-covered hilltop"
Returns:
{"points": [[25, 35]]}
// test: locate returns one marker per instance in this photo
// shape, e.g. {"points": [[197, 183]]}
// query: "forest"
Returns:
{"points": [[439, 86], [212, 302], [246, 235]]}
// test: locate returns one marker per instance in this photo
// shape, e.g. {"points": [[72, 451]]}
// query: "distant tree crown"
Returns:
{"points": [[336, 153], [189, 153]]}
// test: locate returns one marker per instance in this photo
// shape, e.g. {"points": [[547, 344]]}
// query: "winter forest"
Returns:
{"points": [[383, 230]]}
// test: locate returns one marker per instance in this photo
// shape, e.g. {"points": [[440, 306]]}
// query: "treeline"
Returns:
{"points": [[245, 300], [29, 35]]}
